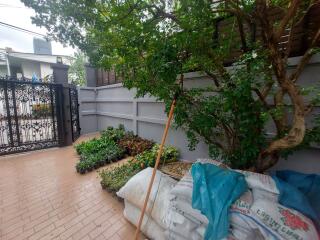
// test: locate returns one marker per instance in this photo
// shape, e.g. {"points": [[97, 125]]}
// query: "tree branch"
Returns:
{"points": [[268, 107], [306, 58], [266, 89], [261, 97], [161, 12], [214, 78], [288, 50], [264, 164], [242, 34], [278, 102], [294, 5], [297, 131], [312, 4], [229, 133]]}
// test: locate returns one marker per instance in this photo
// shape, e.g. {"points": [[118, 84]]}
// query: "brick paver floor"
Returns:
{"points": [[42, 197]]}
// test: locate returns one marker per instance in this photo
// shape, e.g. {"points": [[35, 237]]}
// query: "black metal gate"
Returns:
{"points": [[31, 115], [74, 112]]}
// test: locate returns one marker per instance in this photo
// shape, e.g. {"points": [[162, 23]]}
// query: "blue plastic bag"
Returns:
{"points": [[301, 192], [214, 191]]}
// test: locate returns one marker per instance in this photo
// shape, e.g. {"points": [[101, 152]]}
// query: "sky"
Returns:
{"points": [[15, 13]]}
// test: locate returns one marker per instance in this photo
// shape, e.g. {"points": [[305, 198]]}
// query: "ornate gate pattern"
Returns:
{"points": [[31, 115], [74, 112]]}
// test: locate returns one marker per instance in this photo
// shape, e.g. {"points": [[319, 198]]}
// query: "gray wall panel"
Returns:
{"points": [[151, 109], [87, 110], [113, 105], [175, 137], [106, 121]]}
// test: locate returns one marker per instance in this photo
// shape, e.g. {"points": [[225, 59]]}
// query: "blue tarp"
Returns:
{"points": [[301, 192], [214, 191]]}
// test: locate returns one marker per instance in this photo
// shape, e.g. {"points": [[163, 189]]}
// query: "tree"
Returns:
{"points": [[77, 73], [152, 41]]}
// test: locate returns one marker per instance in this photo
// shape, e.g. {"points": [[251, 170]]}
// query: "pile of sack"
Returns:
{"points": [[155, 220], [185, 222], [171, 211]]}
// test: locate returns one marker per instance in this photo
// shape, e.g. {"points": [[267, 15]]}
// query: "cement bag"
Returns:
{"points": [[181, 227], [183, 189], [242, 221], [286, 222], [270, 220], [262, 186], [188, 212], [211, 161], [149, 227], [135, 192], [244, 227]]}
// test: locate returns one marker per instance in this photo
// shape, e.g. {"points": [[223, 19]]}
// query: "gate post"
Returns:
{"points": [[60, 76]]}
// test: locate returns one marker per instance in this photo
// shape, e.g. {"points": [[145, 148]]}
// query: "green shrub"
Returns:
{"points": [[113, 144], [134, 145], [84, 166], [113, 179], [92, 146], [98, 152], [114, 134], [106, 151]]}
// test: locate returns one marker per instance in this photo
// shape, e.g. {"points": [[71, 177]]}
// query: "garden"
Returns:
{"points": [[115, 144], [257, 106]]}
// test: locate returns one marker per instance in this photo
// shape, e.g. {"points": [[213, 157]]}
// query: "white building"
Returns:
{"points": [[28, 65]]}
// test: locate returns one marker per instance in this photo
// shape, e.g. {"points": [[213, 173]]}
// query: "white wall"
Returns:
{"points": [[111, 105], [45, 69], [28, 68]]}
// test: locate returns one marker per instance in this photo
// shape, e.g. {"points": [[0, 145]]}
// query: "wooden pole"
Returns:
{"points": [[164, 136]]}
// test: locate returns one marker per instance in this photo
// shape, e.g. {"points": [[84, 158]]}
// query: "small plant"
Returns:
{"points": [[113, 179], [113, 144], [41, 110], [134, 145], [100, 151], [84, 166], [106, 152], [114, 134]]}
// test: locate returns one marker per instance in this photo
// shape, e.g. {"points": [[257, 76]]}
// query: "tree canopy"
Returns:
{"points": [[151, 42], [77, 73]]}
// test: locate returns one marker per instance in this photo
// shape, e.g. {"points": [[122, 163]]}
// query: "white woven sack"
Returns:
{"points": [[149, 227], [135, 191]]}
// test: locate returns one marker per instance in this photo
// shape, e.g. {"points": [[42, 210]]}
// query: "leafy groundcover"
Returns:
{"points": [[113, 179], [113, 145]]}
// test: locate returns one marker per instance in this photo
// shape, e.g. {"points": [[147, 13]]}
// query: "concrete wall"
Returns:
{"points": [[45, 69], [29, 68], [111, 105]]}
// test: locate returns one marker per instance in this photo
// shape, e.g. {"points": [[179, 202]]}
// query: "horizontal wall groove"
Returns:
{"points": [[88, 100], [102, 100], [86, 113], [115, 115], [151, 120], [112, 105]]}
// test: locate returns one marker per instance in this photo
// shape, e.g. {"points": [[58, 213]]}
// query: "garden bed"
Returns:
{"points": [[113, 179], [132, 154], [113, 144]]}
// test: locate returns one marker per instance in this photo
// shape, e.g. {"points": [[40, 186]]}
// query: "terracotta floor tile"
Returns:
{"points": [[42, 197]]}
